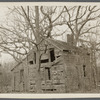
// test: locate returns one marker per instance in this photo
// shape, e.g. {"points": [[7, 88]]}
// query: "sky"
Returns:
{"points": [[3, 13], [4, 57]]}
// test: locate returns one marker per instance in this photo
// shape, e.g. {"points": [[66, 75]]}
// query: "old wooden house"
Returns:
{"points": [[64, 68]]}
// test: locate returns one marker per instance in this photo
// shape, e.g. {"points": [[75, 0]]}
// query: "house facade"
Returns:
{"points": [[64, 69]]}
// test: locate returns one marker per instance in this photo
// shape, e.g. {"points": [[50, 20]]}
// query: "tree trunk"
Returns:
{"points": [[76, 40], [38, 78], [94, 67]]}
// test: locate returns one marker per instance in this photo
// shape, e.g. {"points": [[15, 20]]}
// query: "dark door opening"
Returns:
{"points": [[84, 70], [52, 55]]}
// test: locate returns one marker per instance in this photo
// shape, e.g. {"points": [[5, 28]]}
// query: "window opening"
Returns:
{"points": [[31, 62], [45, 61], [52, 55], [47, 72], [69, 51], [84, 70]]}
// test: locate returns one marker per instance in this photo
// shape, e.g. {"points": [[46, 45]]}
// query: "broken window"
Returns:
{"points": [[21, 75], [58, 56], [47, 73], [44, 60], [68, 51], [31, 62], [52, 55], [84, 70]]}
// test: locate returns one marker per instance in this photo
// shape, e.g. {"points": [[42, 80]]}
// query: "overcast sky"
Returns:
{"points": [[3, 12], [4, 58], [3, 15]]}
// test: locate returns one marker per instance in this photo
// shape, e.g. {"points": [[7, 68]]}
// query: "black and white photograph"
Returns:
{"points": [[49, 49]]}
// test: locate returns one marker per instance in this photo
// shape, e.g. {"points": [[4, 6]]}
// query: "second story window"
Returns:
{"points": [[52, 55], [31, 62], [45, 61]]}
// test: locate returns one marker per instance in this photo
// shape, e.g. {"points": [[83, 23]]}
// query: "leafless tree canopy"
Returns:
{"points": [[28, 26]]}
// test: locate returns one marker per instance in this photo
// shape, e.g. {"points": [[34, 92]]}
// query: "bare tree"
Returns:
{"points": [[19, 35], [30, 26], [92, 43], [81, 20]]}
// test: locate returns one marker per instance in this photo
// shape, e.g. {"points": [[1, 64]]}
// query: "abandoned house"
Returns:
{"points": [[64, 68]]}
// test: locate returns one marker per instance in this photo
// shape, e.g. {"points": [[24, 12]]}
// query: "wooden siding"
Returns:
{"points": [[66, 72]]}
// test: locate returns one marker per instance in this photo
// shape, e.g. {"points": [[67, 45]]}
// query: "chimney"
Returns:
{"points": [[70, 39]]}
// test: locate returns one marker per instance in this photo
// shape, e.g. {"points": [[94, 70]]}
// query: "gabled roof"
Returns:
{"points": [[60, 44], [66, 46], [56, 43]]}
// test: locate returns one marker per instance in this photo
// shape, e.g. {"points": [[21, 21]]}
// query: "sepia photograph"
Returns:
{"points": [[49, 49]]}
